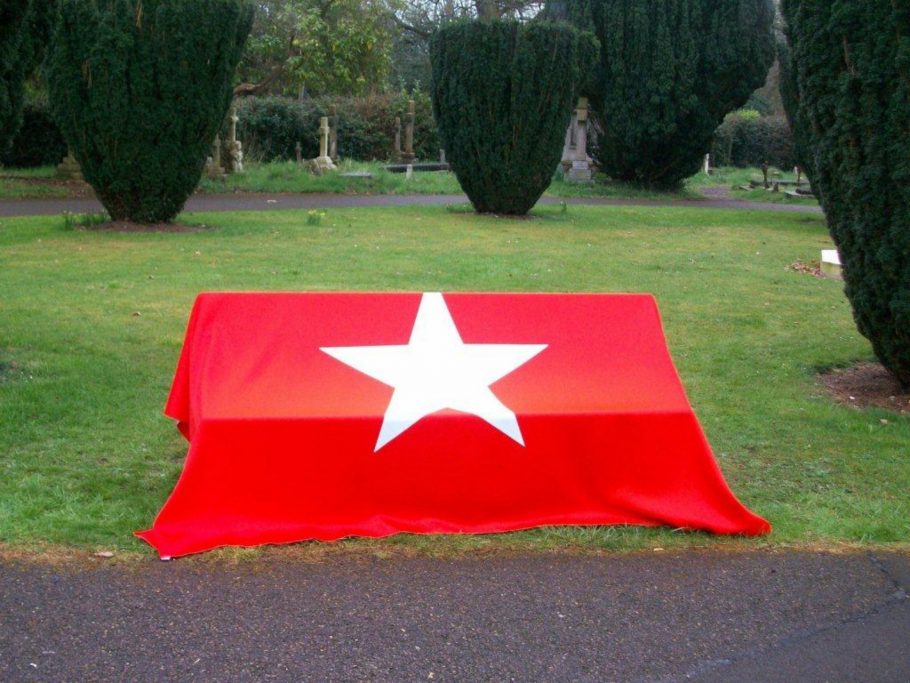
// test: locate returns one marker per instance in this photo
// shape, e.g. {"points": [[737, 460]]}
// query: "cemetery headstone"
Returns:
{"points": [[324, 162], [235, 147], [213, 167], [580, 172], [69, 168]]}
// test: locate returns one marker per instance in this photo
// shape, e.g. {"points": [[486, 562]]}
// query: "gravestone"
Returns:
{"points": [[580, 170], [830, 264], [298, 152], [234, 146], [323, 162], [69, 168], [213, 167], [408, 155]]}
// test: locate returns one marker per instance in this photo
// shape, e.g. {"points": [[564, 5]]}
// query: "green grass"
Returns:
{"points": [[734, 179], [290, 177], [22, 183], [91, 324]]}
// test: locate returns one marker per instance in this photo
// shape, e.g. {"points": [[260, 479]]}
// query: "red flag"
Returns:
{"points": [[320, 416]]}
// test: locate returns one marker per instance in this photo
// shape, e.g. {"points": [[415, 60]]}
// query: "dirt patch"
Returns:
{"points": [[867, 385], [812, 268], [126, 226]]}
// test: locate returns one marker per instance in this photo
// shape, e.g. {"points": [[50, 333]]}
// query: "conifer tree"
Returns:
{"points": [[502, 98], [852, 66], [139, 89], [14, 63], [668, 73]]}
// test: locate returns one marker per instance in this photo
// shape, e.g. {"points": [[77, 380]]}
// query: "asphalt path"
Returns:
{"points": [[267, 202], [655, 616]]}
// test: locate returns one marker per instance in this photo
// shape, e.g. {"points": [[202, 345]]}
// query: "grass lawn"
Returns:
{"points": [[21, 183], [280, 177], [91, 324]]}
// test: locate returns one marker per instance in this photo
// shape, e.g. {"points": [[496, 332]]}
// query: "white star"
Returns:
{"points": [[436, 370]]}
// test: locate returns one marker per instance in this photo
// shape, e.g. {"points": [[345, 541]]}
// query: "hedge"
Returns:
{"points": [[270, 127], [751, 141]]}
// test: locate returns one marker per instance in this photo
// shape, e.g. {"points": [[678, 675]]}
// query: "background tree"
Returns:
{"points": [[852, 66], [24, 28], [502, 98], [139, 89], [668, 73], [318, 47], [417, 19]]}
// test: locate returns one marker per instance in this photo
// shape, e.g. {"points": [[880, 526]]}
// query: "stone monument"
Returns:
{"points": [[298, 151], [323, 162], [69, 168], [407, 156], [234, 146], [580, 170], [213, 168]]}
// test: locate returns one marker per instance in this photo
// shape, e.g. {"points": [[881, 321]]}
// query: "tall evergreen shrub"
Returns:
{"points": [[13, 66], [789, 95], [502, 97], [668, 73], [852, 66], [139, 89]]}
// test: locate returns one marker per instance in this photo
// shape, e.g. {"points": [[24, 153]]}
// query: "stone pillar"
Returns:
{"points": [[396, 152], [408, 155], [235, 147], [298, 152], [580, 172], [324, 161]]}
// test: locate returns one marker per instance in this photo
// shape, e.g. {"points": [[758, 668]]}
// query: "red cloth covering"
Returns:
{"points": [[283, 435]]}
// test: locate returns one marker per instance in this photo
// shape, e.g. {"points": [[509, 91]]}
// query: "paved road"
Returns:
{"points": [[695, 616], [261, 202]]}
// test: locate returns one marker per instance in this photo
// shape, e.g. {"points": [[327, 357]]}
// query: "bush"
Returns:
{"points": [[852, 66], [39, 141], [749, 141], [667, 75], [502, 97], [139, 89], [270, 127]]}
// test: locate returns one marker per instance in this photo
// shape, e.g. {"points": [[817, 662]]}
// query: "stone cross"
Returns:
{"points": [[324, 162], [408, 155], [235, 147], [213, 164], [580, 171]]}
